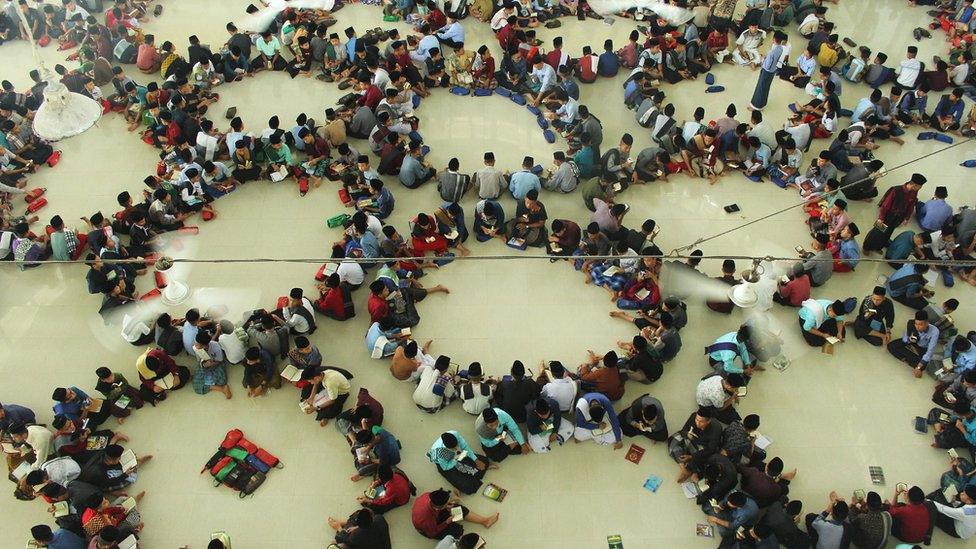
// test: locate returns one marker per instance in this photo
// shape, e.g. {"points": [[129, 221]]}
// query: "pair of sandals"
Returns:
{"points": [[920, 33]]}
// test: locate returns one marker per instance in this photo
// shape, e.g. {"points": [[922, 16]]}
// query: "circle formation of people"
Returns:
{"points": [[79, 467]]}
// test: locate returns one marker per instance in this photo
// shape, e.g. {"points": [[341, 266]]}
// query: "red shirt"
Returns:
{"points": [[332, 301], [372, 98], [425, 517], [378, 308], [586, 68], [797, 290], [898, 202], [395, 492], [912, 521]]}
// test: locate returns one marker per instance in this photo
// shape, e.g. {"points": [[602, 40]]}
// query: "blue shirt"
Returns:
{"points": [[806, 64], [454, 32], [945, 108], [370, 245], [746, 516], [772, 58], [521, 182], [351, 48], [811, 318], [189, 337], [66, 539], [571, 88], [608, 64], [727, 358], [935, 213], [72, 410], [445, 463], [411, 171], [583, 423], [862, 107], [966, 360], [850, 252], [13, 414], [385, 202], [926, 340], [387, 449], [901, 246], [373, 335], [506, 425], [910, 289]]}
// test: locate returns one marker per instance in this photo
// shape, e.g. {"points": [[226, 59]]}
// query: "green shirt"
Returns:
{"points": [[59, 246], [591, 189]]}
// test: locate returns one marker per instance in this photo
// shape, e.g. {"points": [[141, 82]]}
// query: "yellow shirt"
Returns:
{"points": [[827, 56]]}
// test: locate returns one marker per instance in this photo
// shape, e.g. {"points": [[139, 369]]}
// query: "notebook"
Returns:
{"points": [[128, 460], [877, 474], [123, 402], [95, 406], [291, 373]]}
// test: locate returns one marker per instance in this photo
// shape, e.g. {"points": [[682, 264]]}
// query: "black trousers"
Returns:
{"points": [[918, 303], [500, 451], [861, 330], [829, 327], [630, 431], [909, 353]]}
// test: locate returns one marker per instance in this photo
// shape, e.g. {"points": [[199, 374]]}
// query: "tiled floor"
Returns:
{"points": [[829, 416]]}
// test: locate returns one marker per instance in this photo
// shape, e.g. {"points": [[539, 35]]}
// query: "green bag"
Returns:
{"points": [[338, 220], [222, 474], [237, 454]]}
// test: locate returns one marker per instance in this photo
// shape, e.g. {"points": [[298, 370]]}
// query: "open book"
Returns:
{"points": [[166, 382], [129, 543], [457, 514], [202, 354], [642, 294], [405, 332], [762, 441], [128, 460], [123, 402], [128, 504], [291, 373], [832, 340], [611, 271], [21, 471], [61, 509]]}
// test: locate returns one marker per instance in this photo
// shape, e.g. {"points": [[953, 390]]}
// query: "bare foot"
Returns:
{"points": [[121, 420], [144, 459], [323, 423], [491, 520], [356, 478], [139, 496], [334, 524], [492, 466]]}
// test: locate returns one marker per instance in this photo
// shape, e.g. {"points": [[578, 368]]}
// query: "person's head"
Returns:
{"points": [[364, 436], [703, 417], [921, 321], [968, 496], [626, 142], [442, 363], [439, 498], [840, 510], [490, 417], [42, 533], [557, 369], [302, 343], [774, 467], [736, 499]]}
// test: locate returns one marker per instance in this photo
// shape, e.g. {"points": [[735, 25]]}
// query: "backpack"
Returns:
{"points": [[253, 482], [231, 439]]}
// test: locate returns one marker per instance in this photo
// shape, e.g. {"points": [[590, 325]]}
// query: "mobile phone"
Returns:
{"points": [[731, 208], [859, 495]]}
